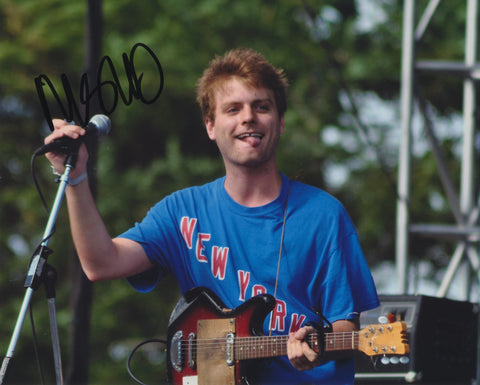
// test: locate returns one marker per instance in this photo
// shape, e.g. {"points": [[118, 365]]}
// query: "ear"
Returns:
{"points": [[282, 125], [210, 126]]}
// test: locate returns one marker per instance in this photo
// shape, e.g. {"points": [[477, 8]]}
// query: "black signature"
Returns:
{"points": [[71, 110]]}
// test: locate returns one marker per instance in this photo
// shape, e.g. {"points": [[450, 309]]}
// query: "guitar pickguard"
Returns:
{"points": [[216, 366], [190, 380]]}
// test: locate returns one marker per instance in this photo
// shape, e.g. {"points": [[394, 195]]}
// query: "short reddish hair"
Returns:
{"points": [[250, 67]]}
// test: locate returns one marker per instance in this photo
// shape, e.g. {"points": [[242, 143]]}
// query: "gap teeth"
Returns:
{"points": [[254, 134]]}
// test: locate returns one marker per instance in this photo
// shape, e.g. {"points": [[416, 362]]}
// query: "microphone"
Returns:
{"points": [[98, 125]]}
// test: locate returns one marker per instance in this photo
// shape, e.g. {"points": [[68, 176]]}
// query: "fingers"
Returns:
{"points": [[63, 128], [299, 353], [57, 160]]}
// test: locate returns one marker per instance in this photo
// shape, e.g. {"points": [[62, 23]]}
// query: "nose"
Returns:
{"points": [[248, 115]]}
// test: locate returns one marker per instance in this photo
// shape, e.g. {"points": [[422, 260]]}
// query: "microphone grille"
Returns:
{"points": [[102, 123]]}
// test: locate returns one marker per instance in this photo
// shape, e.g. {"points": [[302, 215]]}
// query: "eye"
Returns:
{"points": [[231, 109], [263, 107]]}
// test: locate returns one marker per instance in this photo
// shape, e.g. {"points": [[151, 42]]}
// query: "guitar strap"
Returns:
{"points": [[281, 247], [320, 329]]}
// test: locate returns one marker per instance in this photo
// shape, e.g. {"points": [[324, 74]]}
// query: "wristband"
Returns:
{"points": [[55, 172], [78, 179]]}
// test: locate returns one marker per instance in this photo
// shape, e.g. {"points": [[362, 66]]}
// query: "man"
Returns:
{"points": [[251, 232]]}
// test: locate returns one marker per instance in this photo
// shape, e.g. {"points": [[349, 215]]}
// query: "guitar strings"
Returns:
{"points": [[338, 340], [255, 346]]}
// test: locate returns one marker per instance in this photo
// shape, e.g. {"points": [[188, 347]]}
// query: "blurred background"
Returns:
{"points": [[343, 134]]}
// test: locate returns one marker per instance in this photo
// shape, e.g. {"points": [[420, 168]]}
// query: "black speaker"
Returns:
{"points": [[443, 339]]}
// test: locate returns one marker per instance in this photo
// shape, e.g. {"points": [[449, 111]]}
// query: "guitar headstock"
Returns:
{"points": [[381, 339]]}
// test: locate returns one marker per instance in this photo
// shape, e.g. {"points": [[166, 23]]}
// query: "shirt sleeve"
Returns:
{"points": [[349, 288], [154, 233]]}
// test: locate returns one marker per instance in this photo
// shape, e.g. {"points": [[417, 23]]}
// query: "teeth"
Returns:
{"points": [[254, 134]]}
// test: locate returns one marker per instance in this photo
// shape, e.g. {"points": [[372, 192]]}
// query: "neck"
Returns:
{"points": [[274, 346], [253, 189]]}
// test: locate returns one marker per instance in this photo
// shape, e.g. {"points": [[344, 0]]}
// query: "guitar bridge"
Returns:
{"points": [[176, 352]]}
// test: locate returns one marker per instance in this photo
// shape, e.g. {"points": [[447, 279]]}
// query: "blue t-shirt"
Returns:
{"points": [[206, 239]]}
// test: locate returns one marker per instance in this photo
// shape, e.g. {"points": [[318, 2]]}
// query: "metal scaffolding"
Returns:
{"points": [[465, 206]]}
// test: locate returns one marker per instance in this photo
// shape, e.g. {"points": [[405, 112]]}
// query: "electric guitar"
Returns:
{"points": [[208, 344]]}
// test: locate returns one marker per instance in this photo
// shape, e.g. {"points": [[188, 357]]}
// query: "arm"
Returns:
{"points": [[304, 358], [101, 256]]}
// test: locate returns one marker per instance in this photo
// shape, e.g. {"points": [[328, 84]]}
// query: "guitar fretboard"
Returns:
{"points": [[273, 346]]}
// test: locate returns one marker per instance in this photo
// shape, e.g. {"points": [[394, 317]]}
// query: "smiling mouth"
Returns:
{"points": [[250, 134]]}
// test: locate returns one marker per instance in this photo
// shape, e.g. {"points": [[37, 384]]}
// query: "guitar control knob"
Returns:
{"points": [[383, 319], [394, 360], [404, 359]]}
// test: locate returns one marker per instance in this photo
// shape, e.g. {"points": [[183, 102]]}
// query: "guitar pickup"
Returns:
{"points": [[229, 349], [191, 351], [177, 349]]}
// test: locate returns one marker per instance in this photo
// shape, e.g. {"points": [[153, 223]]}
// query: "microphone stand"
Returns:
{"points": [[39, 271]]}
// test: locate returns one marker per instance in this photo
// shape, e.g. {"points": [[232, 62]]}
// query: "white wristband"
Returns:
{"points": [[55, 172], [78, 179]]}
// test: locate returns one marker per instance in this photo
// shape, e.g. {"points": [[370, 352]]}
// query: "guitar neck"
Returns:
{"points": [[272, 346]]}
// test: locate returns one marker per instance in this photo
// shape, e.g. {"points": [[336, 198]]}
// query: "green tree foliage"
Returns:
{"points": [[338, 57]]}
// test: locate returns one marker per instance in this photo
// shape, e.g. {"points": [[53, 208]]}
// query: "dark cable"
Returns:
{"points": [[130, 356], [35, 345], [37, 185]]}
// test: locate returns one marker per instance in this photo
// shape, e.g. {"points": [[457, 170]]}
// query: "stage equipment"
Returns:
{"points": [[443, 339]]}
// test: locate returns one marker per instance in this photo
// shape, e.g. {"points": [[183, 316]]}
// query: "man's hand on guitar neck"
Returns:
{"points": [[303, 357]]}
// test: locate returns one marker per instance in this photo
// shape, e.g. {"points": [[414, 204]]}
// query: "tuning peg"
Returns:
{"points": [[382, 320], [385, 360]]}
